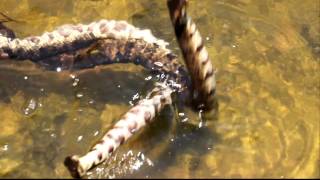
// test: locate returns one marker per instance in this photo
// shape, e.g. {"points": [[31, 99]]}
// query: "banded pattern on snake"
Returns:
{"points": [[72, 37], [195, 55], [106, 42]]}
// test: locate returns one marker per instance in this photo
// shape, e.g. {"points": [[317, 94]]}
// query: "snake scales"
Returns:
{"points": [[106, 42]]}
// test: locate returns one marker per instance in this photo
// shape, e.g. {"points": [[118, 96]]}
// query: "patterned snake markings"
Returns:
{"points": [[107, 42], [137, 117], [6, 32], [195, 54]]}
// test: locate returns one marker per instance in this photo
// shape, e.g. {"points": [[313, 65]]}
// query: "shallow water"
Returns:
{"points": [[267, 54]]}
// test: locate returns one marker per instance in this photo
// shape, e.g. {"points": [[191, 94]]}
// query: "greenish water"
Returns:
{"points": [[267, 53]]}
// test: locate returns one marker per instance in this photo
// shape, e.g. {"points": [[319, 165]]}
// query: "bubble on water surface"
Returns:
{"points": [[79, 95], [5, 147], [30, 107], [79, 138]]}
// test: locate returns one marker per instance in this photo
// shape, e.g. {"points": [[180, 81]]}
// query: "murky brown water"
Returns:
{"points": [[267, 55]]}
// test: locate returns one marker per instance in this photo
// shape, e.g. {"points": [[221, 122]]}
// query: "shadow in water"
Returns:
{"points": [[184, 139], [190, 139], [103, 84]]}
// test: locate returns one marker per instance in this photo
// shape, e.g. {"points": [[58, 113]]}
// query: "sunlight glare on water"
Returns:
{"points": [[267, 53]]}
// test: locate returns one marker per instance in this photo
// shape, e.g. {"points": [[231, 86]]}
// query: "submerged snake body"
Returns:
{"points": [[106, 42], [86, 52], [119, 45]]}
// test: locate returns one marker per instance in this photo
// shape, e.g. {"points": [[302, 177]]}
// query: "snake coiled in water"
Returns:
{"points": [[107, 42]]}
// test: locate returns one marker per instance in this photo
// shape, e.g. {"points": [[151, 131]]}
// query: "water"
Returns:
{"points": [[267, 125]]}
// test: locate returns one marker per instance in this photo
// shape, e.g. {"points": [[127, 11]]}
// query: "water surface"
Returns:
{"points": [[267, 53]]}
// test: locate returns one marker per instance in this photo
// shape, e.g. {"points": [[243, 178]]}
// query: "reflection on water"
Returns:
{"points": [[267, 55]]}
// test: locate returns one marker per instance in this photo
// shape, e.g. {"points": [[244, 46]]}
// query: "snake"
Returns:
{"points": [[107, 42]]}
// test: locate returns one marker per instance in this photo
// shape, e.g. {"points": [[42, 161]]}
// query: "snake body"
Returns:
{"points": [[136, 118], [195, 55], [106, 42], [98, 43], [72, 37]]}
